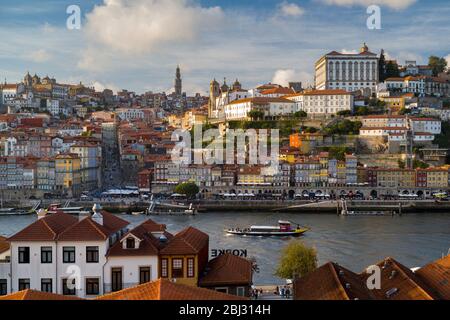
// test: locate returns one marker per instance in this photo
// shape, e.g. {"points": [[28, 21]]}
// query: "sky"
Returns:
{"points": [[137, 44]]}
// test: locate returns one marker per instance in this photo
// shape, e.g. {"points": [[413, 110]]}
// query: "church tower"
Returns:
{"points": [[214, 92], [178, 83]]}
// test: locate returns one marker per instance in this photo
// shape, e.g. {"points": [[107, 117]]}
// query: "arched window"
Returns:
{"points": [[356, 72], [344, 71], [331, 70], [338, 74]]}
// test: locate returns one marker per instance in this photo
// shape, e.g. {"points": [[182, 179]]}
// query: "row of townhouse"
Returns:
{"points": [[94, 255], [431, 178], [419, 85], [306, 171], [65, 174]]}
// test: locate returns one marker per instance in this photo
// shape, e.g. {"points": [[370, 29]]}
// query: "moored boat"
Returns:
{"points": [[284, 229]]}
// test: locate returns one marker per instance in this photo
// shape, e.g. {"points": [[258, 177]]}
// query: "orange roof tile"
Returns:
{"points": [[32, 295], [228, 270], [45, 229], [437, 276], [4, 245], [166, 290], [188, 241]]}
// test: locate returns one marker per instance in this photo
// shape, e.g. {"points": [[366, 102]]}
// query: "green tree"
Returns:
{"points": [[344, 113], [300, 114], [189, 189], [256, 115], [297, 260], [392, 70], [437, 64]]}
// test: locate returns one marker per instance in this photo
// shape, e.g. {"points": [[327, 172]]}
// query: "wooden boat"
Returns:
{"points": [[284, 229]]}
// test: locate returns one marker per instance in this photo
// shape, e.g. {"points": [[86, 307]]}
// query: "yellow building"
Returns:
{"points": [[437, 177], [185, 257], [396, 178], [250, 176], [68, 177]]}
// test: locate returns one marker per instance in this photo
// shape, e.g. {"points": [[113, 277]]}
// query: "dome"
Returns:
{"points": [[364, 48]]}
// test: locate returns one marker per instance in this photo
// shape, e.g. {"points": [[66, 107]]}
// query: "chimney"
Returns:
{"points": [[41, 214], [97, 216]]}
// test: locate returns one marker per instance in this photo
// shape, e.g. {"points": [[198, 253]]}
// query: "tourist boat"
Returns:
{"points": [[12, 212], [284, 229]]}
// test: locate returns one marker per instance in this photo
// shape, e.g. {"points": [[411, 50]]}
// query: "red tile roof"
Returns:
{"points": [[331, 282], [166, 290], [228, 270], [89, 230], [4, 245], [45, 229], [149, 244], [32, 295], [437, 276], [188, 241]]}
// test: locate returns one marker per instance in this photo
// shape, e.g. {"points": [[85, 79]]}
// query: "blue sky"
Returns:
{"points": [[136, 44]]}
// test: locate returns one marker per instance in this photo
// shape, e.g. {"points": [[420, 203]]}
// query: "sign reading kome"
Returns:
{"points": [[235, 252]]}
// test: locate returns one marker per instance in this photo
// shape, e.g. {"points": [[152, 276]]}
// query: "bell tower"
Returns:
{"points": [[214, 92], [178, 83]]}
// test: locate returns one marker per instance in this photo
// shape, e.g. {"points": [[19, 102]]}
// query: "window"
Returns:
{"points": [[177, 268], [68, 254], [190, 268], [24, 284], [164, 268], [24, 255], [68, 287], [3, 287], [92, 287], [92, 254], [46, 255], [144, 275], [46, 285], [131, 243], [241, 291], [116, 281]]}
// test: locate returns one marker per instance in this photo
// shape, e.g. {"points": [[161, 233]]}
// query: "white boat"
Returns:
{"points": [[284, 229]]}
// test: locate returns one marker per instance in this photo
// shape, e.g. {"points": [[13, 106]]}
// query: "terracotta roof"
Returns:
{"points": [[228, 270], [261, 100], [405, 285], [4, 245], [166, 290], [437, 276], [89, 230], [331, 282], [32, 295], [284, 91], [188, 241], [45, 229], [149, 244]]}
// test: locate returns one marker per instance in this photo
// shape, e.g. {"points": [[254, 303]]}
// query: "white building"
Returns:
{"points": [[348, 71], [130, 114], [271, 107], [323, 102], [51, 252]]}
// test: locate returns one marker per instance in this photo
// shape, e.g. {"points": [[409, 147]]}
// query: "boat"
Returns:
{"points": [[12, 212], [284, 229]]}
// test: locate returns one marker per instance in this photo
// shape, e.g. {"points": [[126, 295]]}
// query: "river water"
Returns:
{"points": [[353, 242]]}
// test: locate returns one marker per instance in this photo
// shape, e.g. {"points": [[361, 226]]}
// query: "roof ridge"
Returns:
{"points": [[48, 227], [95, 225], [399, 266], [336, 277]]}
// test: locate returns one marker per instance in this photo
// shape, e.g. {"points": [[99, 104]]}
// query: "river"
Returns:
{"points": [[353, 242]]}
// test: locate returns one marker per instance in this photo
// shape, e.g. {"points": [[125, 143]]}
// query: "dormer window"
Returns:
{"points": [[131, 243]]}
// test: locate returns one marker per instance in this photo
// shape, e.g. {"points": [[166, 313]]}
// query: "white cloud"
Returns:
{"points": [[394, 4], [284, 76], [143, 26], [290, 9], [99, 86], [38, 56], [448, 61]]}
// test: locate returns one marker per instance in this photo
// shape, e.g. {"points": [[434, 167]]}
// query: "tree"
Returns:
{"points": [[392, 70], [189, 189], [256, 115], [297, 260], [300, 114], [437, 64], [344, 113]]}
